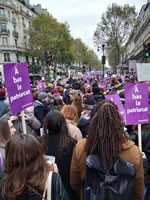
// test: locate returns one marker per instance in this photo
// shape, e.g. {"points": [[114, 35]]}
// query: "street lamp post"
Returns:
{"points": [[103, 58]]}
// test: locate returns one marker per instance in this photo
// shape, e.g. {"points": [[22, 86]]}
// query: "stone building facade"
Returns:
{"points": [[15, 19], [140, 37]]}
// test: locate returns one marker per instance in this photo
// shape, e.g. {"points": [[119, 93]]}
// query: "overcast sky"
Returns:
{"points": [[82, 15]]}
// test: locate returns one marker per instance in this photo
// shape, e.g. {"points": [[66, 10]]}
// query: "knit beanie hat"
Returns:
{"points": [[2, 92], [42, 95], [89, 103]]}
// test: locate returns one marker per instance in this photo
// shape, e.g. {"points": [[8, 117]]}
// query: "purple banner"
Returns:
{"points": [[18, 86], [116, 99], [136, 103], [40, 85]]}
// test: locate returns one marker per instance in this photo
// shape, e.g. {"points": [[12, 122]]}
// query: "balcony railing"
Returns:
{"points": [[4, 32], [15, 34], [3, 18], [8, 3], [12, 48]]}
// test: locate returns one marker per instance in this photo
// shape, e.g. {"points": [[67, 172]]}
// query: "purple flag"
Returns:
{"points": [[136, 103], [40, 85], [18, 86], [116, 99], [123, 78], [103, 85]]}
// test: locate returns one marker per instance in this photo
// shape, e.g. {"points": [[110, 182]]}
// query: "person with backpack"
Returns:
{"points": [[106, 165]]}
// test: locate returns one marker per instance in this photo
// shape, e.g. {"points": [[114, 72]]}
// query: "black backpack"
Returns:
{"points": [[114, 184]]}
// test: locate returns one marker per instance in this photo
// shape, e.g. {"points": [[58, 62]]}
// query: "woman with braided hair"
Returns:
{"points": [[107, 140]]}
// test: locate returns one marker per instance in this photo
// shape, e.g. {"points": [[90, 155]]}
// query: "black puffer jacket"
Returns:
{"points": [[40, 110], [58, 191]]}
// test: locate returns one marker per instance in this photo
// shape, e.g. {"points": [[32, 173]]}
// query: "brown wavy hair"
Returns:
{"points": [[106, 134], [77, 103], [69, 112], [25, 166], [5, 134]]}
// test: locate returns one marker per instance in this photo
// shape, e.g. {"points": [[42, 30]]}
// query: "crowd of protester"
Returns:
{"points": [[85, 133]]}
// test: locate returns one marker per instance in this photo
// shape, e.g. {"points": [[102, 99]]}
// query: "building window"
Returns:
{"points": [[4, 41], [17, 58], [3, 28], [2, 12], [6, 57]]}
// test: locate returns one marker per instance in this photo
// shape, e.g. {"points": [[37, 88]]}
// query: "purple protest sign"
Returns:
{"points": [[136, 103], [40, 85], [18, 86], [88, 82], [116, 99], [103, 85], [123, 78]]}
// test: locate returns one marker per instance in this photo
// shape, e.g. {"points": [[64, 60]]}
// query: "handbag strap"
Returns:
{"points": [[48, 187]]}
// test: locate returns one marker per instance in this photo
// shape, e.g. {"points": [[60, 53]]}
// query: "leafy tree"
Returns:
{"points": [[47, 34], [115, 28], [93, 60], [79, 51]]}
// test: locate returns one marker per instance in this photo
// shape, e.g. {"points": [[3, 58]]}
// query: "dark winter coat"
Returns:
{"points": [[84, 124], [2, 105], [40, 110], [63, 162], [66, 98]]}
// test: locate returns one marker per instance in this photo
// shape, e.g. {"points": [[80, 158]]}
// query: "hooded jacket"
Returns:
{"points": [[130, 153]]}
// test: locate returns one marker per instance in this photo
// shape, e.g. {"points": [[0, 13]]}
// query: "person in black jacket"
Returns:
{"points": [[60, 144], [41, 108], [27, 171], [98, 93]]}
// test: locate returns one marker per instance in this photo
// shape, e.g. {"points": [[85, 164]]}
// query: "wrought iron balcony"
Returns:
{"points": [[15, 34]]}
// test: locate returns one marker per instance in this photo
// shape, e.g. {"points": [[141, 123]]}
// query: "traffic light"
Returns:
{"points": [[103, 60], [48, 57], [147, 50]]}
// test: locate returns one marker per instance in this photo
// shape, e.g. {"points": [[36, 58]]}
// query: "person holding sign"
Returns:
{"points": [[32, 124]]}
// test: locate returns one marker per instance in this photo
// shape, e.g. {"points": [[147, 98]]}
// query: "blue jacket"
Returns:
{"points": [[2, 105]]}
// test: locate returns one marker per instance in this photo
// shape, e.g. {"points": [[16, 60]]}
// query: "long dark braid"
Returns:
{"points": [[106, 134]]}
